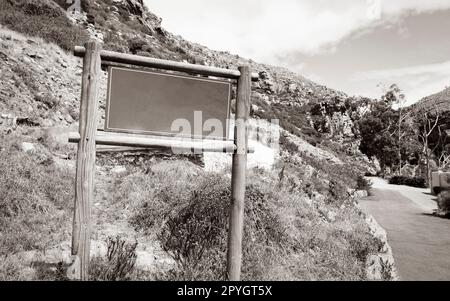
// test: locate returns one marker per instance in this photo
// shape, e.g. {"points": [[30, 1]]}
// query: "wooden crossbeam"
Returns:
{"points": [[145, 141], [142, 61]]}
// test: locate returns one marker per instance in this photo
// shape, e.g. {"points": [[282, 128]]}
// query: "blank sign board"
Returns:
{"points": [[165, 104]]}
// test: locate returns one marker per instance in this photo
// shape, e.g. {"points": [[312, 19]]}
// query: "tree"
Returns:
{"points": [[394, 97], [428, 124], [375, 129], [439, 140], [387, 131]]}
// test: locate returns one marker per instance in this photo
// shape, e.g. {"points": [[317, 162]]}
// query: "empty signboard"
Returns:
{"points": [[156, 103]]}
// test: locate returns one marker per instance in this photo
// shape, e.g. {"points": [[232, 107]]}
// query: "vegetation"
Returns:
{"points": [[36, 198], [413, 182], [301, 222], [432, 128], [363, 184], [119, 263], [41, 18], [285, 236], [444, 203], [388, 134], [398, 137]]}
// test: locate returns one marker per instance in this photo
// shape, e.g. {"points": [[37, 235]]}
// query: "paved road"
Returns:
{"points": [[420, 241]]}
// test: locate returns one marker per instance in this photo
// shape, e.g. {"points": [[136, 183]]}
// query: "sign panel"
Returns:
{"points": [[155, 103]]}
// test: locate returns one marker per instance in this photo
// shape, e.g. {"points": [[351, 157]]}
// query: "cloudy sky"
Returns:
{"points": [[357, 46]]}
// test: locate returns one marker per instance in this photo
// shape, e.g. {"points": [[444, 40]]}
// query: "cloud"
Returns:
{"points": [[429, 69], [261, 29], [416, 81]]}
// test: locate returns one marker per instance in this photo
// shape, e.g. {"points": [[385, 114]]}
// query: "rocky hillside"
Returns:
{"points": [[311, 218], [313, 112], [129, 26], [436, 102]]}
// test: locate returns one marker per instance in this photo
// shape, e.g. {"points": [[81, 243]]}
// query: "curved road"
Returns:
{"points": [[419, 240]]}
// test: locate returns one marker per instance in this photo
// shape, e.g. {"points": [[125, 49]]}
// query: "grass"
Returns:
{"points": [[26, 76], [36, 198], [44, 19], [119, 263], [286, 237]]}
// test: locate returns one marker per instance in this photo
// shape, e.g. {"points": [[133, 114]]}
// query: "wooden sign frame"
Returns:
{"points": [[88, 138]]}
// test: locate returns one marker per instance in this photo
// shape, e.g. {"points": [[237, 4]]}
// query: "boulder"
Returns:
{"points": [[118, 170], [27, 147]]}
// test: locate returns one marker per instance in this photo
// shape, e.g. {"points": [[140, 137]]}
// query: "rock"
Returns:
{"points": [[331, 216], [27, 147], [46, 123], [293, 88], [34, 55], [360, 194], [380, 266], [26, 60], [68, 118], [119, 170], [7, 116]]}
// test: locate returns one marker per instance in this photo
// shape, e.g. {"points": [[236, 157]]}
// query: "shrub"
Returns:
{"points": [[288, 145], [48, 100], [136, 45], [197, 235], [285, 237], [43, 19], [413, 182], [444, 203], [363, 184], [119, 264], [26, 77], [114, 42]]}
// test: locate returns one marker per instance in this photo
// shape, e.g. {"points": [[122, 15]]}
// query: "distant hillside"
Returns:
{"points": [[436, 102]]}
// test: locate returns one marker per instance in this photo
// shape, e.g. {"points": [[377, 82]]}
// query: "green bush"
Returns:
{"points": [[413, 182]]}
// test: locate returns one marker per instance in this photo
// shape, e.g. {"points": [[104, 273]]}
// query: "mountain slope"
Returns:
{"points": [[313, 227], [436, 102]]}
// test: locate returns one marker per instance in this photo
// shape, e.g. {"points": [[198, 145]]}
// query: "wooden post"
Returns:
{"points": [[238, 175], [85, 165]]}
